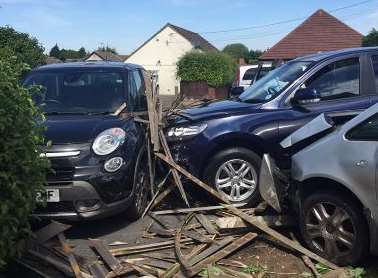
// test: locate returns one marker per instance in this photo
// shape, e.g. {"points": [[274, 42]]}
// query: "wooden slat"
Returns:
{"points": [[63, 267], [151, 164], [211, 250], [105, 254], [156, 199], [206, 224], [97, 271], [232, 222], [286, 241], [175, 269], [197, 237], [197, 209], [176, 175], [70, 255], [157, 263], [150, 245], [158, 221], [232, 247], [50, 231]]}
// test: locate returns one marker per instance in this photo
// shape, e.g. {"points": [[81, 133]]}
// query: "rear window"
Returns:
{"points": [[78, 92], [250, 74], [375, 66]]}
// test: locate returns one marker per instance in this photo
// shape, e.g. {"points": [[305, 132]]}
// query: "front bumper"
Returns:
{"points": [[70, 197], [86, 190]]}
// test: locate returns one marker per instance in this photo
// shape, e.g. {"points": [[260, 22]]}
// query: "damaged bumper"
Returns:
{"points": [[273, 183]]}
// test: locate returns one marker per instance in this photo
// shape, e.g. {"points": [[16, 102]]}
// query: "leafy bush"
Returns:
{"points": [[370, 39], [27, 49], [236, 51], [22, 171], [216, 68]]}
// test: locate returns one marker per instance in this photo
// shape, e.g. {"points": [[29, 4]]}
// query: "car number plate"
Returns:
{"points": [[50, 195]]}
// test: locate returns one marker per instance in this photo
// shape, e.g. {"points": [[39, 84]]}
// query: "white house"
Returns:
{"points": [[160, 54]]}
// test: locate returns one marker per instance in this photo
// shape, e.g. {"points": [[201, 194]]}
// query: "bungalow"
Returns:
{"points": [[161, 52], [320, 32]]}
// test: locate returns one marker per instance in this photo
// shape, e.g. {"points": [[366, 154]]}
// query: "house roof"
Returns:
{"points": [[123, 57], [320, 32], [194, 38], [106, 56]]}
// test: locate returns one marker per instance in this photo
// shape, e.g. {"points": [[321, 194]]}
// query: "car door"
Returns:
{"points": [[339, 86], [372, 60], [361, 158]]}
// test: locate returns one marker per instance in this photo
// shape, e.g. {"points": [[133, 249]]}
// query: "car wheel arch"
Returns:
{"points": [[321, 184], [235, 140]]}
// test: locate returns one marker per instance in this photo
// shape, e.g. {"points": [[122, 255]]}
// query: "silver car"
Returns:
{"points": [[333, 186]]}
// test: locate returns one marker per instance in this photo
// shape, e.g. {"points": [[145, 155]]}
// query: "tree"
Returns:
{"points": [[27, 49], [370, 39], [108, 49], [218, 69], [55, 51], [22, 171], [82, 53], [254, 55], [236, 51]]}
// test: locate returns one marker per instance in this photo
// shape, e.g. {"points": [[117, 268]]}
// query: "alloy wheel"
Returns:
{"points": [[330, 229], [237, 179]]}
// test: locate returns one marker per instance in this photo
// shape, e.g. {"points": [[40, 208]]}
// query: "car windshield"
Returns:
{"points": [[78, 92], [274, 82]]}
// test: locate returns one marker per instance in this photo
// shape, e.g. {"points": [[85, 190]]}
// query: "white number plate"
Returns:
{"points": [[50, 195]]}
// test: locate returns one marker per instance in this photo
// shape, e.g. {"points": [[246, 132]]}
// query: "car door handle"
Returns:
{"points": [[362, 163]]}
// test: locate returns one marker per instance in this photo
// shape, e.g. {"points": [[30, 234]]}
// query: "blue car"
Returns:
{"points": [[222, 142]]}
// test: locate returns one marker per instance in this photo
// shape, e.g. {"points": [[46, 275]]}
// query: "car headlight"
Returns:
{"points": [[186, 131], [108, 141]]}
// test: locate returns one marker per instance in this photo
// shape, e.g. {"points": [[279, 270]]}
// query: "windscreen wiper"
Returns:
{"points": [[65, 113], [99, 113]]}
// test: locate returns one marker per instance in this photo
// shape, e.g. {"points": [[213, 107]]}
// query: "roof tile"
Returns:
{"points": [[320, 32]]}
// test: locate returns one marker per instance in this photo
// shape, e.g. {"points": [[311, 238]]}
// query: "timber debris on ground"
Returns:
{"points": [[199, 246]]}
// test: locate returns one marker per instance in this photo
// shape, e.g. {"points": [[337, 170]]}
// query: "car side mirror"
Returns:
{"points": [[305, 96], [236, 91]]}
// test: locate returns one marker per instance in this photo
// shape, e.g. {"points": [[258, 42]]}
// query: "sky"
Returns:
{"points": [[126, 24]]}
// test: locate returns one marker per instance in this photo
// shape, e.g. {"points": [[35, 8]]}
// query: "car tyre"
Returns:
{"points": [[141, 187], [217, 174], [334, 221]]}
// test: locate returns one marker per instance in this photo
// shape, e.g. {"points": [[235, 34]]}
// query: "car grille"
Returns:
{"points": [[61, 175], [64, 206]]}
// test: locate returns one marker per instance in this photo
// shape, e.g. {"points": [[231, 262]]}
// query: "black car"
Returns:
{"points": [[222, 142], [97, 150]]}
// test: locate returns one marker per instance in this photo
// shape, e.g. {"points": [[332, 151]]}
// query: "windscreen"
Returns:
{"points": [[78, 92]]}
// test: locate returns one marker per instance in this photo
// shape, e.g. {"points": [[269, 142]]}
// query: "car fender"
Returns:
{"points": [[304, 182]]}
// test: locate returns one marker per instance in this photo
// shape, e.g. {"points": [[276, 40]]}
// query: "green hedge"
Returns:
{"points": [[218, 69], [22, 171]]}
